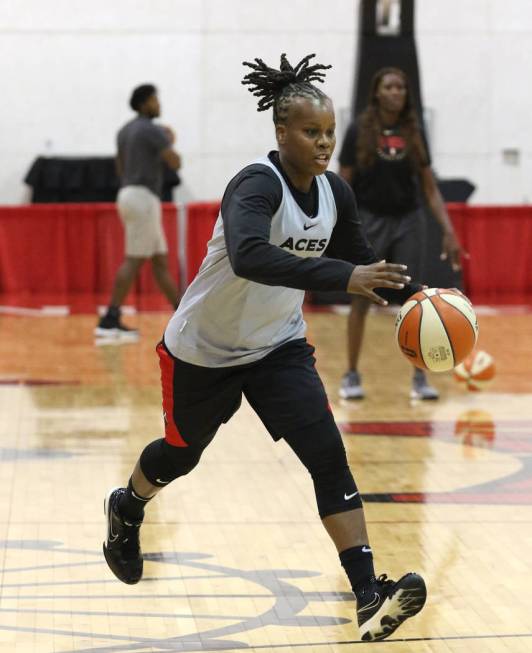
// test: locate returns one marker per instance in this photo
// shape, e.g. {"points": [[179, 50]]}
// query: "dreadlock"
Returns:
{"points": [[277, 88]]}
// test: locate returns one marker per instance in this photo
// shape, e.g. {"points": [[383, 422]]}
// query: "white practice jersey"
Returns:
{"points": [[224, 319]]}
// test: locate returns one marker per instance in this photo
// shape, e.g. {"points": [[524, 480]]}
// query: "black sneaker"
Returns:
{"points": [[386, 604], [121, 547], [110, 327]]}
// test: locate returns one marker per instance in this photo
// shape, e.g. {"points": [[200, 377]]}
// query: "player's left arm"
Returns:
{"points": [[451, 247]]}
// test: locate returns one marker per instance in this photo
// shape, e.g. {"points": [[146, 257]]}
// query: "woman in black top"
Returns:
{"points": [[239, 330], [385, 159]]}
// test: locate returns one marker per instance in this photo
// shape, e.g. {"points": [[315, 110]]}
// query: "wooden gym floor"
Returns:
{"points": [[236, 555]]}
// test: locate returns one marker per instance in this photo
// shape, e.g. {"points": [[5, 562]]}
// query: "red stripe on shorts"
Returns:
{"points": [[171, 431]]}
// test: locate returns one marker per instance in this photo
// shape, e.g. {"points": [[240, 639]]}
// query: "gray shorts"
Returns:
{"points": [[141, 214], [398, 238]]}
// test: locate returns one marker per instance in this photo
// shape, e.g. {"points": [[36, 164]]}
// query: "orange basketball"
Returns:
{"points": [[436, 329], [476, 371]]}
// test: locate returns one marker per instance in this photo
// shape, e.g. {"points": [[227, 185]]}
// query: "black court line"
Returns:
{"points": [[330, 596], [353, 642], [142, 643]]}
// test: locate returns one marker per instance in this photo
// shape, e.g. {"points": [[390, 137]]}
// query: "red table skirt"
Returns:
{"points": [[68, 254], [499, 242], [201, 217]]}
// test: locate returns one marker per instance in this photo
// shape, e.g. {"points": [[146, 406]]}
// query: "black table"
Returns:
{"points": [[82, 179]]}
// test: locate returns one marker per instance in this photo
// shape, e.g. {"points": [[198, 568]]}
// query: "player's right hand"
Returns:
{"points": [[365, 278]]}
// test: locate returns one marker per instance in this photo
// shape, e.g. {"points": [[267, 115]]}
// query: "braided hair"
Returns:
{"points": [[277, 88]]}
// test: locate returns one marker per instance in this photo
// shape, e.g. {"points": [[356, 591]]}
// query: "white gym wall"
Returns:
{"points": [[68, 66]]}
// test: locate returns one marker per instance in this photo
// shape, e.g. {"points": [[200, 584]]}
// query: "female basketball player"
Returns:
{"points": [[239, 330], [385, 160]]}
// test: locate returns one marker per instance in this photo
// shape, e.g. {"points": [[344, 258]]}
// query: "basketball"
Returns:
{"points": [[436, 329], [476, 371]]}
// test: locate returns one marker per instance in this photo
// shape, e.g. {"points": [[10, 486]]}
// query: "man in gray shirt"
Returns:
{"points": [[144, 148]]}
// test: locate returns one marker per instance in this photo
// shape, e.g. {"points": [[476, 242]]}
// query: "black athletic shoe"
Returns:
{"points": [[386, 604], [121, 547], [110, 327]]}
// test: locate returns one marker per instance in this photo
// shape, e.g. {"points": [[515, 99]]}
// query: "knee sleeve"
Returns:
{"points": [[161, 462], [334, 484], [321, 450]]}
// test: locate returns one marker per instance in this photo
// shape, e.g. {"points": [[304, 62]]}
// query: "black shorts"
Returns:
{"points": [[398, 238], [283, 388]]}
